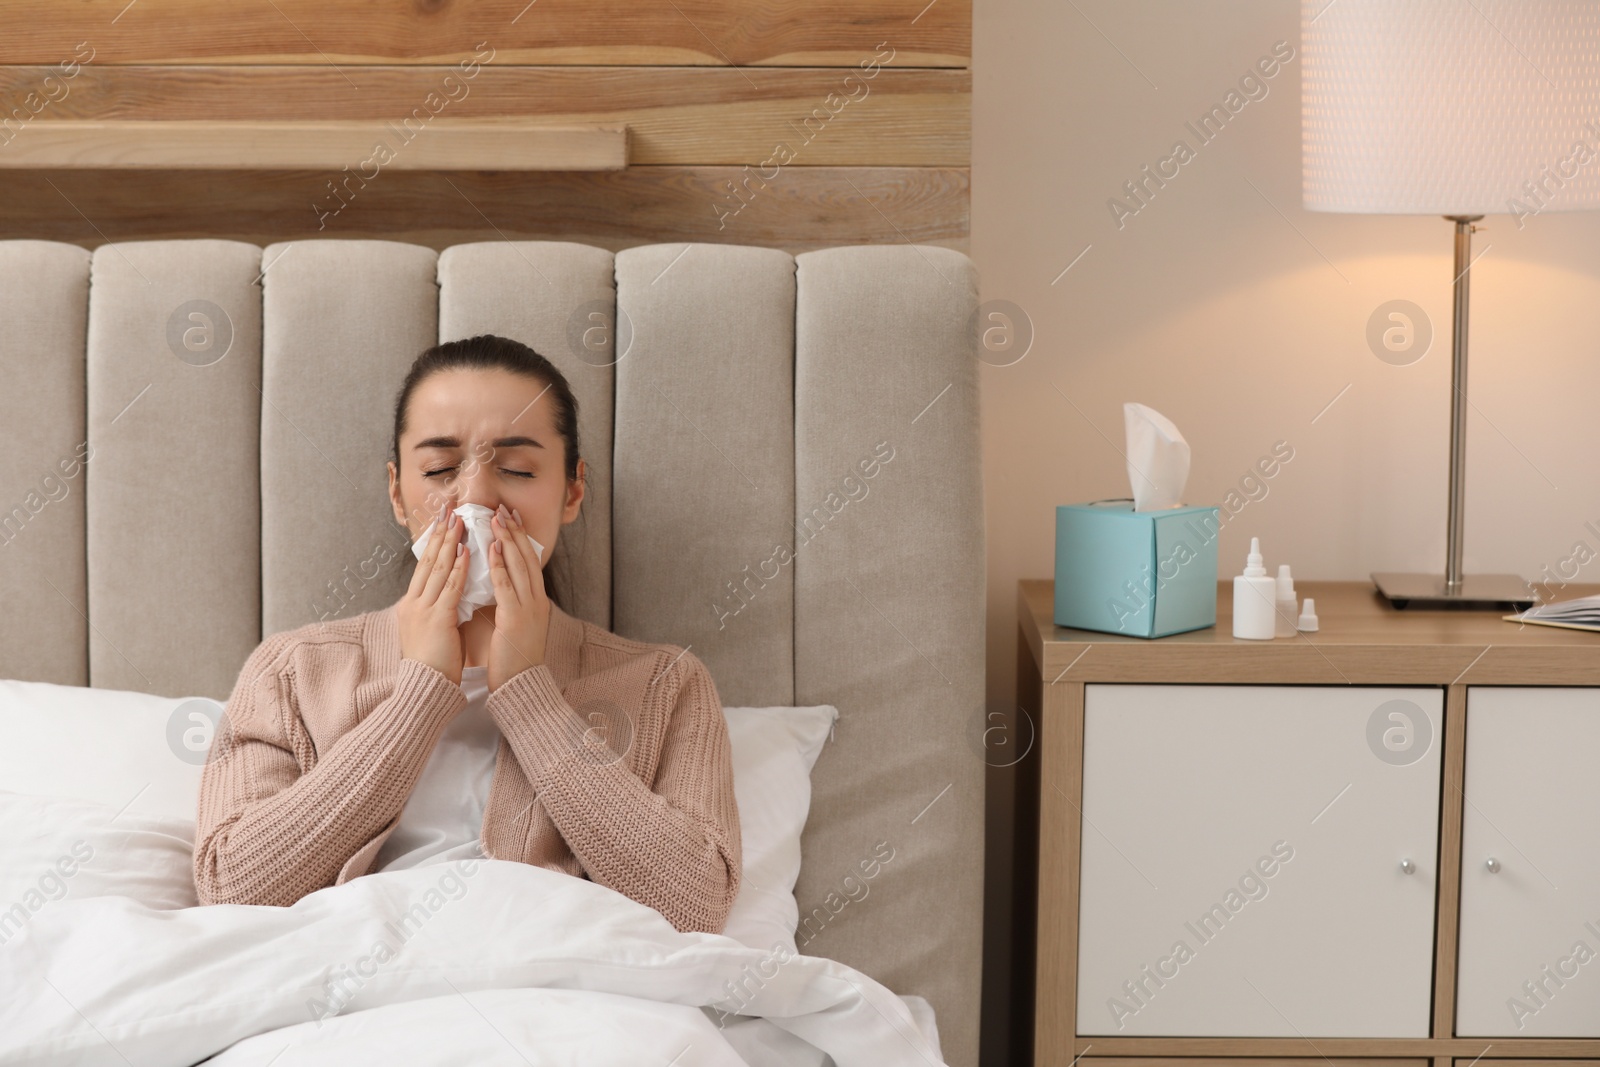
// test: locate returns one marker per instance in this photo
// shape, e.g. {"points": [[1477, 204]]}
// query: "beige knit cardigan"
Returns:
{"points": [[613, 765]]}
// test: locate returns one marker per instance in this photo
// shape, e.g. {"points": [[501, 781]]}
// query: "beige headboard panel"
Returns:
{"points": [[784, 476]]}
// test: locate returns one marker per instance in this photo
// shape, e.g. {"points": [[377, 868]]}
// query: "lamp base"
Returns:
{"points": [[1478, 591]]}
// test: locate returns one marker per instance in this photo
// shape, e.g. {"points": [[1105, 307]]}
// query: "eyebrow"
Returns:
{"points": [[455, 442]]}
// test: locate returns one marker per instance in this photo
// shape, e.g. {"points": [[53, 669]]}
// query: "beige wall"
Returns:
{"points": [[1241, 324]]}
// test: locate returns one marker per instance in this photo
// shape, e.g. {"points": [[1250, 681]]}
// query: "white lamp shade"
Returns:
{"points": [[1450, 107]]}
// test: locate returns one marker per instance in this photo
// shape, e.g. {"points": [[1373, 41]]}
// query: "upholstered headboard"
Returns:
{"points": [[195, 434]]}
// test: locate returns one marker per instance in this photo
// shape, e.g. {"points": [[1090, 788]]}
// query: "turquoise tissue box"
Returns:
{"points": [[1142, 574]]}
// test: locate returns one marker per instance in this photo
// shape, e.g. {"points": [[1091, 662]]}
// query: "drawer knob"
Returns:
{"points": [[1407, 866], [1493, 865]]}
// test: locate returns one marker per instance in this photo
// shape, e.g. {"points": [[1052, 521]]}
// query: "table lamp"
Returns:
{"points": [[1460, 108]]}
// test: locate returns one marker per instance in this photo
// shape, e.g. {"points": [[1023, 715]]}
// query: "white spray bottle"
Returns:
{"points": [[1254, 598]]}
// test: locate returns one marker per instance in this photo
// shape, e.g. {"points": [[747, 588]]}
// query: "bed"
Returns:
{"points": [[228, 406]]}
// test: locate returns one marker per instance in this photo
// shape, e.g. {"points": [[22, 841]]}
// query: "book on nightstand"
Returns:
{"points": [[1580, 614]]}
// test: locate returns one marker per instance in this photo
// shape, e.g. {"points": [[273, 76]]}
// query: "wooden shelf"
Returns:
{"points": [[439, 144]]}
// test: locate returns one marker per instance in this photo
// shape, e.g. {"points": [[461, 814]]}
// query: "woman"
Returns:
{"points": [[398, 737]]}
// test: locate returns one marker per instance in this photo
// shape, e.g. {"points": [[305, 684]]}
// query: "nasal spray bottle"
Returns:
{"points": [[1288, 607], [1254, 598]]}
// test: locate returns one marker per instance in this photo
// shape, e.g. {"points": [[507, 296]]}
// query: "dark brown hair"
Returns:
{"points": [[489, 351]]}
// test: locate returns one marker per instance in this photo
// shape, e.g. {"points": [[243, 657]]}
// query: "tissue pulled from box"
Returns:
{"points": [[478, 591], [1158, 458]]}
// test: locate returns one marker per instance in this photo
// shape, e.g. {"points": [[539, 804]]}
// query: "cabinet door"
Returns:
{"points": [[1258, 860], [1530, 865]]}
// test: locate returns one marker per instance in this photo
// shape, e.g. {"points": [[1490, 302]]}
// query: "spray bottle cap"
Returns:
{"points": [[1285, 582], [1253, 567]]}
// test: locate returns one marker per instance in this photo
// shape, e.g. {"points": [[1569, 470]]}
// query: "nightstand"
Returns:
{"points": [[1369, 843]]}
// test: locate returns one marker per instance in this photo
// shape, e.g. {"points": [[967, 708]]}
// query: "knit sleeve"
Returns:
{"points": [[673, 844], [277, 819]]}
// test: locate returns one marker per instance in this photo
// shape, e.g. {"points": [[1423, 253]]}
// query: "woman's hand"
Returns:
{"points": [[521, 608], [427, 613]]}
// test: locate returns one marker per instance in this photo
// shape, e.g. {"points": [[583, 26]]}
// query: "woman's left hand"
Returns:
{"points": [[522, 610]]}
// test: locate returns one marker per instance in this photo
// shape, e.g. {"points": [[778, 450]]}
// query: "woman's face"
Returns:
{"points": [[484, 437]]}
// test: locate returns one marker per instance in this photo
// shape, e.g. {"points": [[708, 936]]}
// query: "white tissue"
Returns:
{"points": [[479, 590], [1158, 458]]}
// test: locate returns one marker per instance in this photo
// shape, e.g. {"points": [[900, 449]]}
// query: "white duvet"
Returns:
{"points": [[475, 962]]}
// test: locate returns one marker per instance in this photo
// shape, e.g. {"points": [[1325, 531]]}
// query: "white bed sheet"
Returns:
{"points": [[500, 962]]}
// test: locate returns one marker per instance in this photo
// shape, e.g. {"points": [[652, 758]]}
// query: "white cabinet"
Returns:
{"points": [[1259, 860], [1530, 865]]}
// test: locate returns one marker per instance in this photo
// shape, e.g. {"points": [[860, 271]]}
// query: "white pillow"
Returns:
{"points": [[774, 750], [142, 755], [111, 746], [51, 849]]}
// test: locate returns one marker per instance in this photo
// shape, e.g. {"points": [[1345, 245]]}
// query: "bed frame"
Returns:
{"points": [[195, 435]]}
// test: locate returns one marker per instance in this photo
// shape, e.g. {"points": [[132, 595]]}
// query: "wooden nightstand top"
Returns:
{"points": [[1361, 640]]}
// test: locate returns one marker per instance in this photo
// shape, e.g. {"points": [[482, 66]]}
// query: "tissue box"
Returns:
{"points": [[1142, 574]]}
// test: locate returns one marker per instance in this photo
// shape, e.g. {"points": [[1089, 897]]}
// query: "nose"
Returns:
{"points": [[474, 484]]}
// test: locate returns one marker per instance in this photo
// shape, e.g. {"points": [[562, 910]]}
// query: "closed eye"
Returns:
{"points": [[447, 470]]}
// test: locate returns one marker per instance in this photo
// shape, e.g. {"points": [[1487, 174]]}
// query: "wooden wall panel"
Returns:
{"points": [[549, 32], [803, 208], [828, 116], [776, 122]]}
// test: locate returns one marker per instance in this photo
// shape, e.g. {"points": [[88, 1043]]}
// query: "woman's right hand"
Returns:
{"points": [[429, 630]]}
